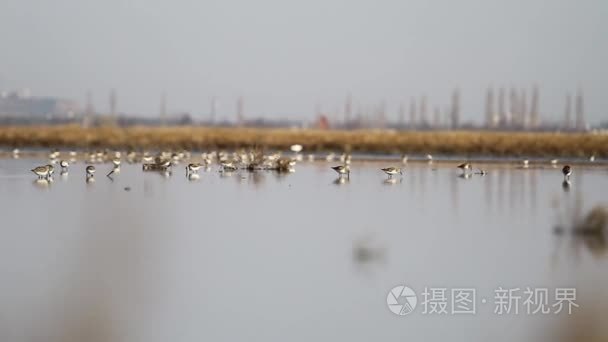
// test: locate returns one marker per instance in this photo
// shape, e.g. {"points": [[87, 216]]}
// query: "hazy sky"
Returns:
{"points": [[284, 56]]}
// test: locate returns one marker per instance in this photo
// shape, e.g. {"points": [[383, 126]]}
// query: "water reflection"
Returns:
{"points": [[341, 181], [566, 185], [41, 183], [368, 253], [226, 174], [392, 181]]}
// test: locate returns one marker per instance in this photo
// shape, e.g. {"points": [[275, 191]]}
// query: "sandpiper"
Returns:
{"points": [[297, 148], [429, 158], [404, 159], [41, 171], [465, 166], [525, 163], [64, 164], [90, 170], [193, 168], [592, 158], [391, 171], [116, 162], [567, 171], [342, 170], [165, 164], [228, 166], [51, 169], [115, 170]]}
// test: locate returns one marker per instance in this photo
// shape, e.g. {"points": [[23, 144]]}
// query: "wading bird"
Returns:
{"points": [[342, 170], [391, 171]]}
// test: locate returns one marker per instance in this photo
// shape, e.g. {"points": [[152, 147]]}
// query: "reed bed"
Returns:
{"points": [[201, 138]]}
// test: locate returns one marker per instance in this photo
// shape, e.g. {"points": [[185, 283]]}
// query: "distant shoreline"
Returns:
{"points": [[463, 143]]}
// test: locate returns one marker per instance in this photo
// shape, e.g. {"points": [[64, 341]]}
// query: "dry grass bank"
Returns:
{"points": [[447, 142]]}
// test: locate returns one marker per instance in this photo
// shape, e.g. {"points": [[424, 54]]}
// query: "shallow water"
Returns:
{"points": [[300, 256]]}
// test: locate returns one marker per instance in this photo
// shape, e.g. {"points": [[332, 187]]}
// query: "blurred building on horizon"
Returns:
{"points": [[20, 104]]}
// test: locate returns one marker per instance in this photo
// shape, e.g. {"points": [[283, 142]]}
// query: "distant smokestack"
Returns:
{"points": [[490, 107], [113, 104], [568, 112], [502, 115], [382, 114], [163, 108], [436, 117], [413, 115], [213, 109], [423, 114], [455, 110], [348, 108], [401, 114], [514, 108], [580, 108], [240, 111], [534, 111], [89, 110], [523, 109]]}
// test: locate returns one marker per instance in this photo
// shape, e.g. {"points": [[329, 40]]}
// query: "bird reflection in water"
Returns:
{"points": [[341, 181], [465, 176], [226, 174], [566, 185], [392, 181], [256, 178], [193, 177], [588, 232], [41, 183], [367, 253]]}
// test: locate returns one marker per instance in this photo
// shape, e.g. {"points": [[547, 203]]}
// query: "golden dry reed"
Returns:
{"points": [[202, 138]]}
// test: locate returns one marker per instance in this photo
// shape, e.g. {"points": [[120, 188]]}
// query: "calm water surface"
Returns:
{"points": [[300, 256]]}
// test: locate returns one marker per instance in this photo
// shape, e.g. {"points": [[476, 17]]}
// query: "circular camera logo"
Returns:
{"points": [[401, 300]]}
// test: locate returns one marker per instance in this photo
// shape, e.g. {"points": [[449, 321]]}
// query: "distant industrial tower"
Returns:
{"points": [[381, 114], [490, 122], [348, 109], [240, 118], [502, 114], [514, 108], [423, 114], [436, 117], [534, 111], [413, 116], [580, 110], [163, 108], [523, 109], [401, 114], [455, 110], [113, 104], [213, 109], [568, 112], [89, 110]]}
